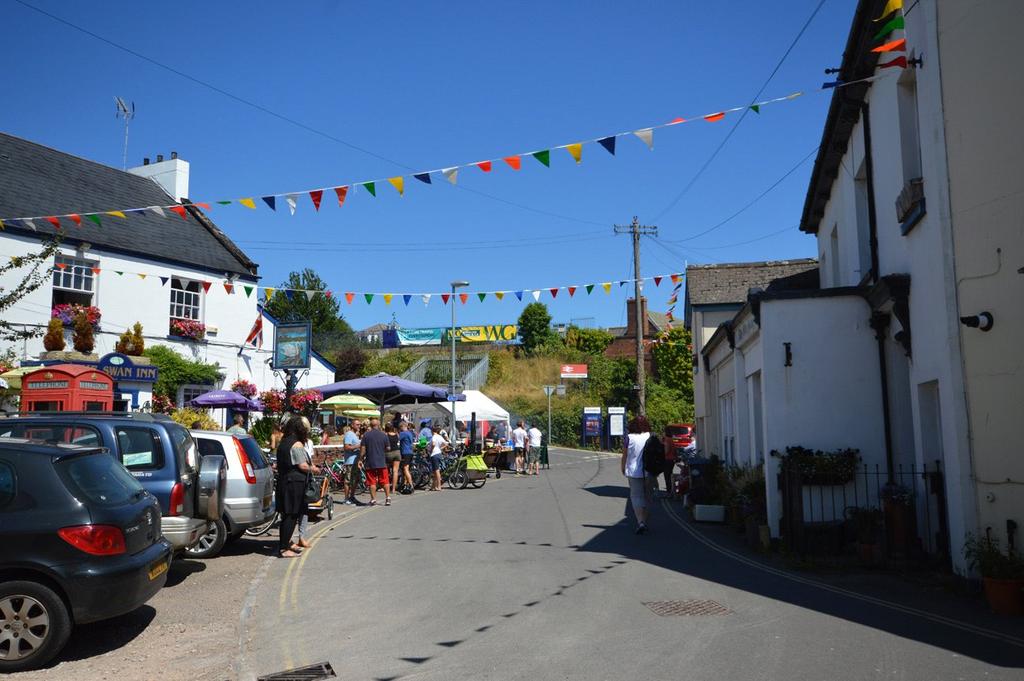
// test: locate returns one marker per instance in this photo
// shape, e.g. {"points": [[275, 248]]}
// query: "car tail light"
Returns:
{"points": [[177, 499], [243, 458], [98, 540]]}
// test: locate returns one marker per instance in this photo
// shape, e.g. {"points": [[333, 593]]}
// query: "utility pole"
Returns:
{"points": [[636, 229]]}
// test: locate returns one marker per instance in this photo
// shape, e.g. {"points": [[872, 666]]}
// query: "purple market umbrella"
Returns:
{"points": [[220, 399], [384, 389]]}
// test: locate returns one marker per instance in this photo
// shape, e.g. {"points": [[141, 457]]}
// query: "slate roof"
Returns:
{"points": [[728, 283], [38, 180]]}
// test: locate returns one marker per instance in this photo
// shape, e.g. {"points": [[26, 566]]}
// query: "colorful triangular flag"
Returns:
{"points": [[445, 297], [426, 298], [589, 287], [341, 192], [712, 118], [388, 297], [116, 213], [92, 217], [900, 62], [463, 297], [553, 292], [398, 183], [484, 166], [889, 8], [657, 281], [157, 210], [452, 174], [406, 297], [576, 150], [270, 201], [370, 187], [53, 220], [268, 292], [481, 296], [248, 203], [756, 108], [206, 286], [608, 143], [647, 135], [544, 156], [423, 177], [572, 291], [894, 24], [229, 287], [119, 273], [607, 286], [893, 46], [535, 294], [519, 295], [164, 280], [349, 297], [141, 275], [310, 295], [514, 162], [292, 200], [181, 212], [76, 218], [248, 291], [316, 196], [368, 297], [499, 295]]}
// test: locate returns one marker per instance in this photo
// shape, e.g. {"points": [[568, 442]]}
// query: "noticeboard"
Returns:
{"points": [[292, 342], [616, 424]]}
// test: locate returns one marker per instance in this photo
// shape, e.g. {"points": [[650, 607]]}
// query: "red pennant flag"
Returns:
{"points": [[229, 287], [893, 46], [180, 210], [445, 297], [318, 194], [203, 205], [54, 221], [657, 281], [676, 278], [554, 292], [463, 297], [514, 161], [677, 121], [61, 266], [900, 62], [76, 218], [484, 166], [341, 192], [711, 118], [206, 286], [349, 297], [95, 270], [572, 290]]}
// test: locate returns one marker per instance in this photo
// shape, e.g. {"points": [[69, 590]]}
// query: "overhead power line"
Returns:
{"points": [[753, 100]]}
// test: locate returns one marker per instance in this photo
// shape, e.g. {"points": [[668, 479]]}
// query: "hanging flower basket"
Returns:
{"points": [[273, 401], [66, 313], [188, 328], [244, 388]]}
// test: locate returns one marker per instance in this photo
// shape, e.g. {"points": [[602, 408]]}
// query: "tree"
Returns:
{"points": [[330, 330], [673, 360], [348, 362], [395, 362], [534, 326], [35, 276], [588, 341]]}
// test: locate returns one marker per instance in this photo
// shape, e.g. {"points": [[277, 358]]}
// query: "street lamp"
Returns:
{"points": [[455, 285]]}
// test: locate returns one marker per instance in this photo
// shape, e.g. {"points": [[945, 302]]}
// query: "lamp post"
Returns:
{"points": [[451, 390]]}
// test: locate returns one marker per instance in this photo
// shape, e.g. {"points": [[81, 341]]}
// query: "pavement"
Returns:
{"points": [[542, 578]]}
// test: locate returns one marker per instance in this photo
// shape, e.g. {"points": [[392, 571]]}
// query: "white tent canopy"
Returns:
{"points": [[476, 402]]}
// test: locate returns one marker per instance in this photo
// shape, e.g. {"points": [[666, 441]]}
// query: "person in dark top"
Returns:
{"points": [[373, 450], [293, 468], [405, 447], [394, 457]]}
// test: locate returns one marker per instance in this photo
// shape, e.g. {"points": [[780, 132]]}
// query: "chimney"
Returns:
{"points": [[631, 318], [171, 175]]}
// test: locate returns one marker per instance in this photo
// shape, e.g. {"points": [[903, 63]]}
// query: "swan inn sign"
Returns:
{"points": [[121, 368]]}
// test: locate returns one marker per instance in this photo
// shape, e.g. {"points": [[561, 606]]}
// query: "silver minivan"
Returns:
{"points": [[249, 496]]}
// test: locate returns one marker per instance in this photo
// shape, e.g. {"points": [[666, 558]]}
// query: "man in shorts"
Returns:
{"points": [[533, 451], [405, 444], [373, 454], [519, 439], [351, 447]]}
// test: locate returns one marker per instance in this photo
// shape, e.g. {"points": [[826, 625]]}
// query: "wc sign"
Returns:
{"points": [[574, 371]]}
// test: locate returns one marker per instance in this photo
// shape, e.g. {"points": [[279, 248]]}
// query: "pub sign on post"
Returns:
{"points": [[292, 342]]}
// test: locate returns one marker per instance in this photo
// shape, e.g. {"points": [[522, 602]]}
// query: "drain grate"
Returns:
{"points": [[687, 608], [314, 672]]}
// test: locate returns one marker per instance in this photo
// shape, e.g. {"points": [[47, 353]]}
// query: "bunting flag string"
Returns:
{"points": [[451, 173]]}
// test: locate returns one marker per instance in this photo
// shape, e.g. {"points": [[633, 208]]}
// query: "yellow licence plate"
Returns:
{"points": [[157, 570]]}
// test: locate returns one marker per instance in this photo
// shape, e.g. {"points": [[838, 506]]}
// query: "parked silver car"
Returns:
{"points": [[249, 494]]}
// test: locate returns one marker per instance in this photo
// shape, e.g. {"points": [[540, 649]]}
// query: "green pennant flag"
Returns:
{"points": [[95, 218], [370, 187], [368, 296], [481, 296], [890, 26], [589, 287], [248, 291], [120, 274], [756, 108], [224, 203], [543, 156]]}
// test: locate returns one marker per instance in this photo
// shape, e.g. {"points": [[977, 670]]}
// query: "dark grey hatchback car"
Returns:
{"points": [[80, 541]]}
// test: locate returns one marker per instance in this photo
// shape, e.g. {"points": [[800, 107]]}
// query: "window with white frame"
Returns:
{"points": [[186, 299], [73, 280], [190, 392], [726, 413]]}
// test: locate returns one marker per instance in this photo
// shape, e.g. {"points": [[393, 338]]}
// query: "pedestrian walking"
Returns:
{"points": [[238, 428], [632, 465], [405, 448], [519, 440], [292, 470], [373, 450], [394, 457], [533, 453], [350, 443], [437, 446]]}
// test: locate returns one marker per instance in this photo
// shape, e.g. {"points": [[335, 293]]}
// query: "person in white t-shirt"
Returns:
{"points": [[632, 465], [519, 439], [438, 444], [533, 451]]}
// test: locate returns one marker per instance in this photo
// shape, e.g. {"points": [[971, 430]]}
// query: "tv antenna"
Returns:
{"points": [[128, 113]]}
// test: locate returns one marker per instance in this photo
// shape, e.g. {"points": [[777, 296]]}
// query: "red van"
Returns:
{"points": [[677, 436]]}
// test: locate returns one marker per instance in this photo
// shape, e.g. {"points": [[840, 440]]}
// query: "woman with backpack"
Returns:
{"points": [[634, 468]]}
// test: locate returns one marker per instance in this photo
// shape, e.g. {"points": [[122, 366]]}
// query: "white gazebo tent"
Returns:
{"points": [[476, 403]]}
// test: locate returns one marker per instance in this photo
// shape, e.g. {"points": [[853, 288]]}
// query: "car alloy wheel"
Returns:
{"points": [[210, 544], [24, 626]]}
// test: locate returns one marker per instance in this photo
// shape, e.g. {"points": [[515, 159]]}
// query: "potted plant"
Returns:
{"points": [[188, 328], [54, 341], [1002, 574], [867, 523], [244, 388], [83, 339], [273, 401], [816, 467], [898, 500], [67, 312]]}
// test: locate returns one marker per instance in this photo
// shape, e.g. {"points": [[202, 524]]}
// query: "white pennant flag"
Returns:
{"points": [[292, 200], [536, 295], [647, 136], [31, 224], [158, 210], [451, 173], [426, 299], [310, 295]]}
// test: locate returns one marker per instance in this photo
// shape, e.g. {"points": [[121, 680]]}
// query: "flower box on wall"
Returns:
{"points": [[66, 313], [189, 329]]}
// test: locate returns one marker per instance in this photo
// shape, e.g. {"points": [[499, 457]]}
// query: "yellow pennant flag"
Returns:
{"points": [[141, 275], [576, 150], [890, 7], [388, 297], [499, 294], [269, 292], [607, 286], [116, 213], [248, 203], [398, 183]]}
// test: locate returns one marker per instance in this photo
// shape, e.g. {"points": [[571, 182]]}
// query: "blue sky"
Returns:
{"points": [[425, 85]]}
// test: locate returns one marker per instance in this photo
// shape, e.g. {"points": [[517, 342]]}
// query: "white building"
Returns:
{"points": [[145, 267], [914, 201]]}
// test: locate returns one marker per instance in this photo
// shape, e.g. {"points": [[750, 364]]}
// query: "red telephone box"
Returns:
{"points": [[67, 387]]}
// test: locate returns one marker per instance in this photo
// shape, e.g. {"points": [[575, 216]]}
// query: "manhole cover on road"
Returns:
{"points": [[314, 672], [688, 608]]}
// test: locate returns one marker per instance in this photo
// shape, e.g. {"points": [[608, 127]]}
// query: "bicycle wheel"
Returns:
{"points": [[477, 484], [257, 530], [329, 505], [457, 478]]}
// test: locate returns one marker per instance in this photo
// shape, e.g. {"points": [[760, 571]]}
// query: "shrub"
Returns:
{"points": [[394, 362], [53, 341], [176, 371], [138, 342], [984, 555], [83, 339], [262, 429], [821, 468], [187, 416]]}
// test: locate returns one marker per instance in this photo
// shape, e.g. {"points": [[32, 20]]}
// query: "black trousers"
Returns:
{"points": [[293, 505]]}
